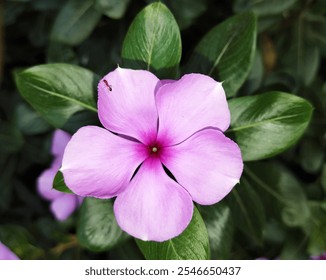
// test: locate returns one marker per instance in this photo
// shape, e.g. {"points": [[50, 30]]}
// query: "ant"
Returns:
{"points": [[107, 84]]}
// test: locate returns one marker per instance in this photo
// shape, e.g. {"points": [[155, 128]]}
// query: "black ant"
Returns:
{"points": [[107, 84]]}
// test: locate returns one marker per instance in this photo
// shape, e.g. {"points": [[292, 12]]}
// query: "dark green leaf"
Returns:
{"points": [[112, 8], [323, 177], [58, 52], [192, 244], [19, 240], [59, 183], [263, 7], [285, 189], [75, 22], [57, 91], [316, 229], [302, 59], [255, 76], [7, 169], [227, 51], [311, 155], [11, 139], [247, 211], [219, 224], [268, 124], [28, 121], [185, 11], [126, 251], [294, 247], [97, 229], [153, 42]]}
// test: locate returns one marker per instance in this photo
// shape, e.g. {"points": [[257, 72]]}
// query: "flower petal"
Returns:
{"points": [[6, 253], [208, 165], [45, 183], [190, 104], [153, 207], [100, 164], [129, 108], [63, 206], [59, 142]]}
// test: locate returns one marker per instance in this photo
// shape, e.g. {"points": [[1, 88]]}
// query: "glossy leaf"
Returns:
{"points": [[268, 124], [59, 183], [227, 52], [57, 91], [97, 229], [192, 244], [220, 228], [153, 42], [247, 211], [112, 8], [75, 22]]}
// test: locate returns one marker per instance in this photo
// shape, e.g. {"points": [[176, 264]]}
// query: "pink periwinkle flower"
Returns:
{"points": [[320, 257], [62, 204], [152, 124], [6, 253]]}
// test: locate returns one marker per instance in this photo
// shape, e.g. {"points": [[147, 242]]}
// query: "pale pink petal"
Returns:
{"points": [[100, 164], [45, 184], [59, 141], [6, 253], [190, 104], [129, 108], [63, 206], [153, 207], [208, 165]]}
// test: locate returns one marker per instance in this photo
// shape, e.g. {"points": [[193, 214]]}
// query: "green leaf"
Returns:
{"points": [[323, 177], [58, 52], [311, 155], [219, 224], [286, 196], [185, 11], [227, 52], [112, 8], [153, 42], [75, 22], [316, 229], [11, 139], [57, 91], [302, 58], [28, 121], [97, 229], [59, 183], [20, 241], [268, 124], [192, 244], [247, 210], [256, 74], [8, 166], [263, 7]]}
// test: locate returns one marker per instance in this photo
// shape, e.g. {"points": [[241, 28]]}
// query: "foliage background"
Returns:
{"points": [[280, 209]]}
